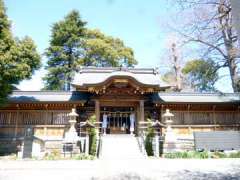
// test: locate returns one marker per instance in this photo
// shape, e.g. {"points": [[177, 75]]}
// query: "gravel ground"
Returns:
{"points": [[147, 169]]}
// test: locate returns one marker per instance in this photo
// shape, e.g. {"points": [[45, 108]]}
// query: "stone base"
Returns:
{"points": [[169, 147], [70, 149]]}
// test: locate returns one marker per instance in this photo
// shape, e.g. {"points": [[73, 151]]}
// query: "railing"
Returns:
{"points": [[99, 145], [141, 143]]}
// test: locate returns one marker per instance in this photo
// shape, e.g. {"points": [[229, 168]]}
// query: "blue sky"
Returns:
{"points": [[137, 22]]}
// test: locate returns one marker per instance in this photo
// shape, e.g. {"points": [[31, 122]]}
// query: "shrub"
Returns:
{"points": [[53, 155], [83, 157], [149, 139], [92, 137], [234, 155], [218, 154], [187, 154]]}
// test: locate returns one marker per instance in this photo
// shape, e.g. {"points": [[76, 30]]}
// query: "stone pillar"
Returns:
{"points": [[87, 144], [156, 145]]}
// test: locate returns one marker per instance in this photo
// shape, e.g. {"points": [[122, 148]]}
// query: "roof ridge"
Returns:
{"points": [[198, 93], [92, 69], [42, 92]]}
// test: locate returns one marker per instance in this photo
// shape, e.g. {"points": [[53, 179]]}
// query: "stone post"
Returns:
{"points": [[71, 138], [87, 144], [170, 137], [157, 145]]}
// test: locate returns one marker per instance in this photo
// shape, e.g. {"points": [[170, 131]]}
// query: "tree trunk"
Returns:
{"points": [[177, 68], [225, 20], [235, 4], [70, 69]]}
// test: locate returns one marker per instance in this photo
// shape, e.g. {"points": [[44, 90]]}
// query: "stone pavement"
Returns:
{"points": [[144, 169]]}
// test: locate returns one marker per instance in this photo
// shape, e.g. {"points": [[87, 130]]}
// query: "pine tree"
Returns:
{"points": [[73, 45], [64, 51], [18, 58]]}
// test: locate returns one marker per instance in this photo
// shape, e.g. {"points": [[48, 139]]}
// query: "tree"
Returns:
{"points": [[176, 67], [101, 50], [93, 137], [64, 51], [173, 60], [73, 45], [209, 26], [18, 57], [201, 74]]}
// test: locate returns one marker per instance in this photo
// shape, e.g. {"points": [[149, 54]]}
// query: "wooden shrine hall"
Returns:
{"points": [[116, 95]]}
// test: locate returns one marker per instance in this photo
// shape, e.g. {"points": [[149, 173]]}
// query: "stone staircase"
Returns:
{"points": [[120, 146]]}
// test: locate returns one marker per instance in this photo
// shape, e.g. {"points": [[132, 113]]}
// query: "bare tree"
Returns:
{"points": [[173, 60], [209, 24], [236, 16], [176, 67]]}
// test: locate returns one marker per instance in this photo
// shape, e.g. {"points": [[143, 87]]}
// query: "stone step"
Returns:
{"points": [[120, 147]]}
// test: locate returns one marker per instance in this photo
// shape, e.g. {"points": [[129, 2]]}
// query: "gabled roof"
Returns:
{"points": [[179, 97], [88, 76], [47, 96]]}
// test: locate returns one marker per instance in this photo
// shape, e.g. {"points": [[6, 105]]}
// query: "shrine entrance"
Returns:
{"points": [[117, 120]]}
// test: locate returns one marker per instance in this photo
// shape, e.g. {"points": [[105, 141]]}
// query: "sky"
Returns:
{"points": [[137, 22]]}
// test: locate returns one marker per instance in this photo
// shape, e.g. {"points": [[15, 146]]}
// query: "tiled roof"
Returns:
{"points": [[93, 76], [47, 96], [76, 96], [196, 97]]}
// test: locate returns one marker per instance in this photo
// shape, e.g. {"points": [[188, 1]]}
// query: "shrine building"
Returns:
{"points": [[116, 94]]}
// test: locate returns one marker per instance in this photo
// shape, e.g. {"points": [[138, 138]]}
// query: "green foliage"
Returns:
{"points": [[169, 77], [218, 154], [56, 155], [92, 137], [53, 155], [149, 139], [83, 157], [201, 74], [73, 45], [18, 58], [234, 155], [187, 155], [201, 155], [101, 50], [64, 51]]}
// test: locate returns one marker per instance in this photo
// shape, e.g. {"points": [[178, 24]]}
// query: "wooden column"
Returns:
{"points": [[137, 119], [161, 118], [16, 125], [97, 110], [214, 117], [140, 114], [45, 121], [238, 117], [141, 105], [189, 120]]}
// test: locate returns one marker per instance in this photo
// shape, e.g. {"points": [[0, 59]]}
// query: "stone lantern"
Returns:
{"points": [[168, 119], [170, 137], [71, 136]]}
